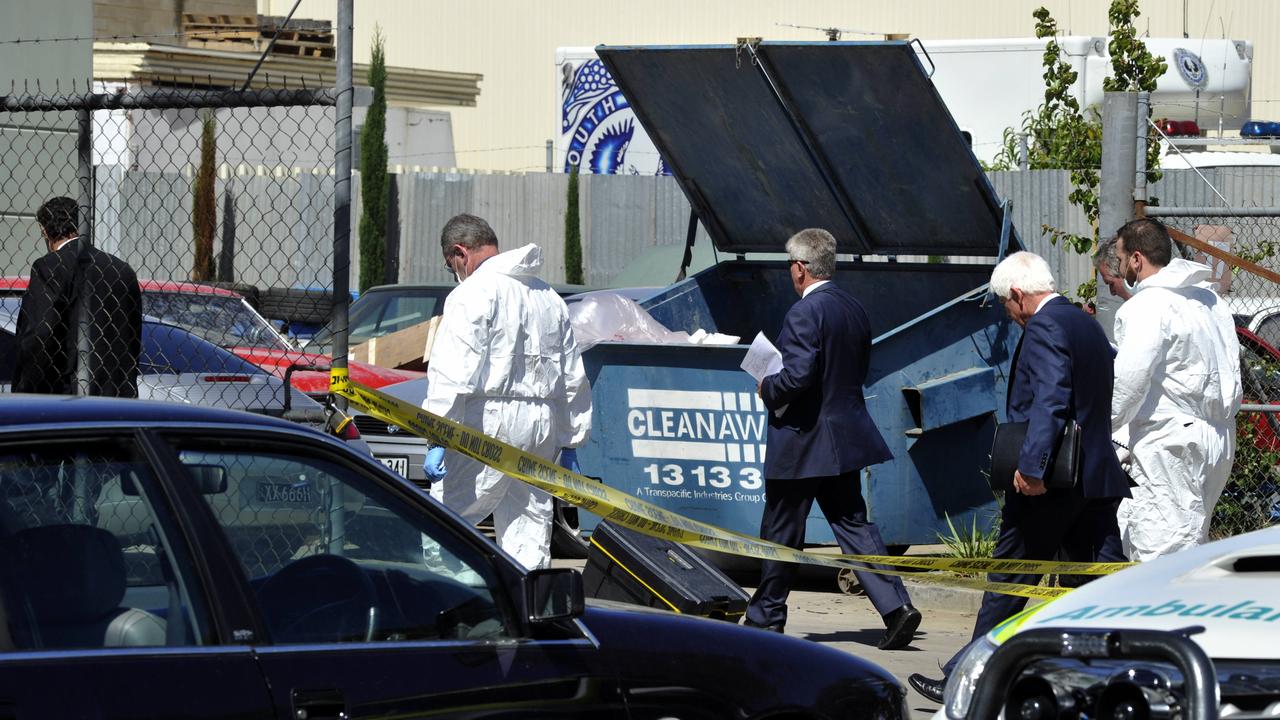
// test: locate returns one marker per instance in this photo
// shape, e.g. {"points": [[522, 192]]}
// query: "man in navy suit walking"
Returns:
{"points": [[1061, 371], [822, 439]]}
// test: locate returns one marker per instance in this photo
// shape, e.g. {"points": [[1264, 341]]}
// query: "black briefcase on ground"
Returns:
{"points": [[1063, 473], [632, 567]]}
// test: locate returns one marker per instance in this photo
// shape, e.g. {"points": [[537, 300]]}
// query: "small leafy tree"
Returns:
{"points": [[204, 216], [572, 234], [373, 173], [1062, 136]]}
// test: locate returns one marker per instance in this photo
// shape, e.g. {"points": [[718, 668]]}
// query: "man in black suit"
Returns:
{"points": [[1061, 371], [80, 325], [822, 439]]}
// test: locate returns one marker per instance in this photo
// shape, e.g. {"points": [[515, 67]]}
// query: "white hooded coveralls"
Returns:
{"points": [[505, 362], [1177, 390]]}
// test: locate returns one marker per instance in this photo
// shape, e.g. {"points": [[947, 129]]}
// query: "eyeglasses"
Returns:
{"points": [[794, 260]]}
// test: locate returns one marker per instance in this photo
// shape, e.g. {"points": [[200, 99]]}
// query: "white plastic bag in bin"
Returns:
{"points": [[605, 317]]}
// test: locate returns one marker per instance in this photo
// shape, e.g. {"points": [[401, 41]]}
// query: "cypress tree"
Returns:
{"points": [[572, 234], [373, 173], [204, 215]]}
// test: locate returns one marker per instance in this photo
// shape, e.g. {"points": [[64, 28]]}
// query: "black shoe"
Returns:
{"points": [[777, 627], [928, 687], [900, 628]]}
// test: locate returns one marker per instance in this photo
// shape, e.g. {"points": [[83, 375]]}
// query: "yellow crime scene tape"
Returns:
{"points": [[619, 507]]}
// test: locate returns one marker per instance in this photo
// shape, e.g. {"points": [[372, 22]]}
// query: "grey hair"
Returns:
{"points": [[1025, 271], [1106, 257], [469, 231], [817, 249]]}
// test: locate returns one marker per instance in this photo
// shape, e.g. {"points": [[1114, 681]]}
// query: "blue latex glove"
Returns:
{"points": [[569, 460], [434, 464]]}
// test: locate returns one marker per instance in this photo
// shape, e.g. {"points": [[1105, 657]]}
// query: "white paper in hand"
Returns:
{"points": [[763, 360]]}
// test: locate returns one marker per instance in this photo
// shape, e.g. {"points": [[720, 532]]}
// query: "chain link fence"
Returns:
{"points": [[168, 243], [1251, 499], [217, 204]]}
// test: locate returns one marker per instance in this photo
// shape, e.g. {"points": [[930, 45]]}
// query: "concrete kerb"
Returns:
{"points": [[927, 597], [930, 597]]}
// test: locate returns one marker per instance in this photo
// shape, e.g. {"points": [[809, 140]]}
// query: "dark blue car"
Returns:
{"points": [[162, 560]]}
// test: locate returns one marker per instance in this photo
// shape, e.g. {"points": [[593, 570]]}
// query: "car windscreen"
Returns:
{"points": [[380, 313], [224, 320]]}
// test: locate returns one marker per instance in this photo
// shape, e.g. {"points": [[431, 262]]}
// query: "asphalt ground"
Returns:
{"points": [[818, 611]]}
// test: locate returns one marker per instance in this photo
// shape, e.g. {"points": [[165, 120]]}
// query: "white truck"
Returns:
{"points": [[987, 84]]}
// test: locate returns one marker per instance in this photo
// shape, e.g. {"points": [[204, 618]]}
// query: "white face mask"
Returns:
{"points": [[1131, 286]]}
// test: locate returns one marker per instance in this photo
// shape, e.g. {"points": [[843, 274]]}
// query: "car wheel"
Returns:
{"points": [[567, 540]]}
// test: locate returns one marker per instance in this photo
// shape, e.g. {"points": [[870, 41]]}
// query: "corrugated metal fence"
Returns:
{"points": [[622, 217]]}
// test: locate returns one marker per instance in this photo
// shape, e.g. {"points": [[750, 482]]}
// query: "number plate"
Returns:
{"points": [[399, 464], [282, 493]]}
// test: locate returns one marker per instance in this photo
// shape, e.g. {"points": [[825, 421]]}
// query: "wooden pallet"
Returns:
{"points": [[222, 21], [302, 49], [248, 34]]}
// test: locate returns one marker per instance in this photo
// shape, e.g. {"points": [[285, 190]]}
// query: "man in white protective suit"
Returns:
{"points": [[1177, 390], [505, 363]]}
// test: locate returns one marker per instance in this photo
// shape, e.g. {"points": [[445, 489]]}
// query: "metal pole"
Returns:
{"points": [[1140, 155], [84, 179], [1116, 187], [550, 156], [341, 240], [1024, 154], [342, 190]]}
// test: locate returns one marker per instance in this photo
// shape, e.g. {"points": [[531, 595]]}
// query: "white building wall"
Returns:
{"points": [[513, 43]]}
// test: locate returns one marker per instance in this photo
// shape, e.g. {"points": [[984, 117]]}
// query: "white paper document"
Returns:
{"points": [[763, 359]]}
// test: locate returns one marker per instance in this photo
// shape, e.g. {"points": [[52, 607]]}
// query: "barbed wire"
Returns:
{"points": [[120, 38]]}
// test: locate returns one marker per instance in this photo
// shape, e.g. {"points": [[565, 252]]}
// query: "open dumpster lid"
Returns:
{"points": [[767, 140]]}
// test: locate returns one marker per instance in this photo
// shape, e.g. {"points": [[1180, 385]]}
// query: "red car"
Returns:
{"points": [[225, 319], [1260, 376]]}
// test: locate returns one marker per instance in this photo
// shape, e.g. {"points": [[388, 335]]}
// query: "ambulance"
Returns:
{"points": [[1191, 635]]}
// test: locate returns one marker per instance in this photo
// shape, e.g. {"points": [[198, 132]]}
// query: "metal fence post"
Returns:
{"points": [[1024, 155], [342, 189], [1116, 186], [1140, 155], [341, 238], [84, 181]]}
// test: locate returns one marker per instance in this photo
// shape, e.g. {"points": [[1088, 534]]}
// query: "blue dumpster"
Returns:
{"points": [[766, 140]]}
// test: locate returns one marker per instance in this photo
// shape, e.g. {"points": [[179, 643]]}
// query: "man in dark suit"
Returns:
{"points": [[821, 437], [80, 325], [1061, 371]]}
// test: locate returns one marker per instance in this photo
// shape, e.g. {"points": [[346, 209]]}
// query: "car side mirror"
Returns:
{"points": [[553, 594]]}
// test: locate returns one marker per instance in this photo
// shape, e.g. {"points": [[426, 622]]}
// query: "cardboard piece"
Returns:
{"points": [[407, 349], [1218, 236]]}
